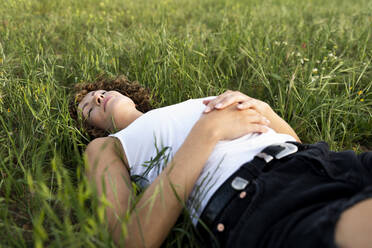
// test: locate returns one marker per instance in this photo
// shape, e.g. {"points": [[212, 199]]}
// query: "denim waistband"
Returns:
{"points": [[237, 191]]}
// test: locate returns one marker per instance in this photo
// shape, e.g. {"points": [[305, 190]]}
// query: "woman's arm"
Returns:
{"points": [[160, 205], [280, 125], [243, 101]]}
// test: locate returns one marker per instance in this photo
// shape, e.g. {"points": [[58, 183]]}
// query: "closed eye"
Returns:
{"points": [[90, 110]]}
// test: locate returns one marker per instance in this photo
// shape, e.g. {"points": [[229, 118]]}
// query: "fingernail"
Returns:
{"points": [[207, 109], [267, 121], [218, 105]]}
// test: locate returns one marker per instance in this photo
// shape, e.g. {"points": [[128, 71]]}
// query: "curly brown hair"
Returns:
{"points": [[139, 94]]}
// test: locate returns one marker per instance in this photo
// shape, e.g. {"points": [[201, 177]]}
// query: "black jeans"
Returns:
{"points": [[297, 201]]}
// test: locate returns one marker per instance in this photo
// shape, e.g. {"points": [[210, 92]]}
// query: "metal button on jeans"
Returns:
{"points": [[220, 227]]}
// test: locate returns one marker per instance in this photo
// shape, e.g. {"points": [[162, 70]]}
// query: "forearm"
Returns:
{"points": [[161, 203], [279, 125], [242, 102]]}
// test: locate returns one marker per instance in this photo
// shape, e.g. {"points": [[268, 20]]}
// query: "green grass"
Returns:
{"points": [[311, 60]]}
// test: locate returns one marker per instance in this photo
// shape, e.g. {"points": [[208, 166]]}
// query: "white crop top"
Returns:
{"points": [[152, 139]]}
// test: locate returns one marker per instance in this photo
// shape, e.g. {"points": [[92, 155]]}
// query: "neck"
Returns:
{"points": [[124, 121]]}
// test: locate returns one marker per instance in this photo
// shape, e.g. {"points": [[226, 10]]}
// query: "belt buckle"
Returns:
{"points": [[289, 149]]}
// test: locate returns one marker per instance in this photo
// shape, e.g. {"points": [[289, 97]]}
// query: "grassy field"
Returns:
{"points": [[311, 60]]}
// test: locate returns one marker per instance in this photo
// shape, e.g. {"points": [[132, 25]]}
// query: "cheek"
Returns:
{"points": [[114, 111], [99, 121], [126, 100], [120, 110], [119, 107]]}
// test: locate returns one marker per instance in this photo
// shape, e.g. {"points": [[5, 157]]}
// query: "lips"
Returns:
{"points": [[105, 102]]}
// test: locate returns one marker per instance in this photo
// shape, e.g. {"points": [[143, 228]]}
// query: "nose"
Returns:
{"points": [[98, 99]]}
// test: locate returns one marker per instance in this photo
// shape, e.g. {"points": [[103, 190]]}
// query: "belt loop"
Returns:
{"points": [[277, 151]]}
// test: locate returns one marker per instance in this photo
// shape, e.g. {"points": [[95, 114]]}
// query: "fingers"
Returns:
{"points": [[255, 122], [211, 103], [231, 123], [253, 117], [225, 99], [256, 128], [250, 103], [205, 102], [246, 105]]}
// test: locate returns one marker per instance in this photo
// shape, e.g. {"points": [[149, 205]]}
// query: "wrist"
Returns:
{"points": [[206, 130], [267, 111]]}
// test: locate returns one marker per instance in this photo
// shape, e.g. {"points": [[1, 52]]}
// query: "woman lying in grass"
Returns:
{"points": [[223, 163]]}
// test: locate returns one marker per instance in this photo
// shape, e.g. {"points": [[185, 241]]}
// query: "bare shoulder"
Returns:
{"points": [[107, 144]]}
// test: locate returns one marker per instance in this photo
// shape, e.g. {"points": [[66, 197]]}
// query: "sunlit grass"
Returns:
{"points": [[311, 60]]}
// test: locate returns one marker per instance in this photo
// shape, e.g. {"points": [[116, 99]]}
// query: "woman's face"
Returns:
{"points": [[101, 108]]}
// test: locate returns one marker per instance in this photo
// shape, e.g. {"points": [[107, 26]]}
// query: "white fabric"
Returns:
{"points": [[168, 127]]}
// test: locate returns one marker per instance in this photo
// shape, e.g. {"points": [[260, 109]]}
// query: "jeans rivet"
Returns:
{"points": [[220, 227], [242, 195]]}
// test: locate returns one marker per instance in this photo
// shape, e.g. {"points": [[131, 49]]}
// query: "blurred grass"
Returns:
{"points": [[311, 60]]}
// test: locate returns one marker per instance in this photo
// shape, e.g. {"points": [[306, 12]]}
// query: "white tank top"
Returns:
{"points": [[152, 139]]}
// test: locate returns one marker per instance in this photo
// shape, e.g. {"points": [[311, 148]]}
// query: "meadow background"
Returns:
{"points": [[311, 60]]}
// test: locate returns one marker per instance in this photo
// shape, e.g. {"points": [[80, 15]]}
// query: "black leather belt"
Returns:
{"points": [[237, 184]]}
